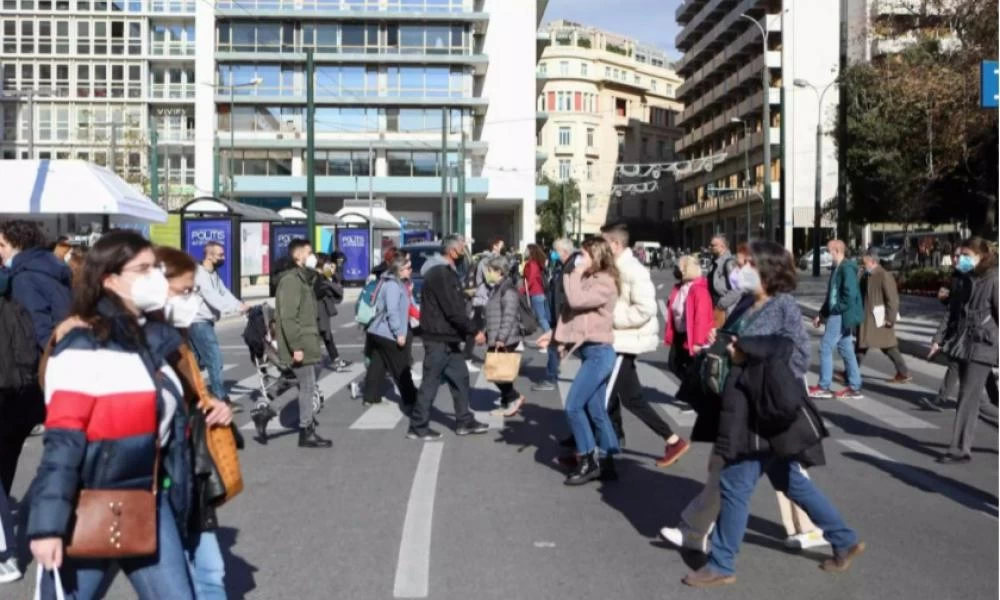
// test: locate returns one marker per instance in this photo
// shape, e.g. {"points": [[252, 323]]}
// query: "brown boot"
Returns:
{"points": [[841, 562], [706, 577]]}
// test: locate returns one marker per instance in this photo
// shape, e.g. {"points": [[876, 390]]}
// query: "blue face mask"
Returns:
{"points": [[965, 264]]}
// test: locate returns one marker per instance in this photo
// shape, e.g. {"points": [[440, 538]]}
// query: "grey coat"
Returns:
{"points": [[724, 297], [971, 328], [503, 315]]}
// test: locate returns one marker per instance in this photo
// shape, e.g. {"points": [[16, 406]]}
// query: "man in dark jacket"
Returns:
{"points": [[39, 281], [842, 311], [445, 323], [298, 342], [556, 298]]}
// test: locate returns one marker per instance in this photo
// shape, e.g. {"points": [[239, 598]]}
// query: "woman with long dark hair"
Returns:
{"points": [[968, 335], [534, 285], [114, 423]]}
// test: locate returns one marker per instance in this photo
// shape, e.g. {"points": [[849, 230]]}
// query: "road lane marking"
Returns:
{"points": [[663, 307], [923, 478], [656, 382], [880, 411], [384, 415], [328, 385], [414, 561]]}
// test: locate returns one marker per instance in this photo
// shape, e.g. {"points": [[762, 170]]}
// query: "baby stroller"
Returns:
{"points": [[274, 377]]}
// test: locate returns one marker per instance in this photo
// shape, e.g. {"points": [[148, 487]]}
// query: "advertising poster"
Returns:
{"points": [[252, 257], [413, 237], [282, 235], [354, 244], [199, 233]]}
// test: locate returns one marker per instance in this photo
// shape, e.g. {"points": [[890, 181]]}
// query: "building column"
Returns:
{"points": [[206, 127], [527, 222]]}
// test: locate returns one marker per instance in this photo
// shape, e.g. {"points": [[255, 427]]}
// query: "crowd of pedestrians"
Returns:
{"points": [[140, 320]]}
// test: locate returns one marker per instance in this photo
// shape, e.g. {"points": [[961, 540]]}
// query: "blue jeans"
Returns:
{"points": [[163, 575], [736, 484], [836, 337], [540, 307], [586, 397], [208, 570], [552, 366], [206, 347]]}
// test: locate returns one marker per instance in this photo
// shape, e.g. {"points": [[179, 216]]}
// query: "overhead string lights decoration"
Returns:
{"points": [[682, 167], [644, 187]]}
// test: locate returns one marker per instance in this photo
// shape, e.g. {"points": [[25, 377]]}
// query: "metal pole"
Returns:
{"points": [[232, 130], [842, 129], [154, 164], [818, 202], [746, 171], [461, 174], [31, 126], [766, 91], [114, 148], [444, 172], [310, 148], [371, 200], [217, 177]]}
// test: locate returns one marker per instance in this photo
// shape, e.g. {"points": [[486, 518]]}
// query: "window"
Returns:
{"points": [[643, 145], [590, 138], [564, 136], [607, 72], [543, 70], [638, 80], [564, 170], [591, 203], [652, 84], [590, 170], [661, 149], [564, 67], [583, 69]]}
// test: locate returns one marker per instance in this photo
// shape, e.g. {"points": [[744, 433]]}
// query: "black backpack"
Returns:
{"points": [[19, 354]]}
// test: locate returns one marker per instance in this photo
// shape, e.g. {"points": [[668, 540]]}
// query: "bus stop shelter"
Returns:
{"points": [[208, 219]]}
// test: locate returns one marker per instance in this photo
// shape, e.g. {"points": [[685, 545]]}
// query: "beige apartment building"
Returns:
{"points": [[605, 100]]}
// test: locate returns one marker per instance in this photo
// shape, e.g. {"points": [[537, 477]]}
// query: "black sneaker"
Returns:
{"points": [[340, 364], [427, 435], [472, 428]]}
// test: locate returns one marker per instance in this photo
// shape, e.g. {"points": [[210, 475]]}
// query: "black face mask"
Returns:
{"points": [[677, 274], [219, 263]]}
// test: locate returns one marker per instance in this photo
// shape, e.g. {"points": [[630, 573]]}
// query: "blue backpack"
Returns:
{"points": [[365, 309]]}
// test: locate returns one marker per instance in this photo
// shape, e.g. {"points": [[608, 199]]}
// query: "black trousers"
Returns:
{"points": [[627, 391], [387, 357], [12, 436], [20, 411], [479, 324], [444, 362], [331, 345]]}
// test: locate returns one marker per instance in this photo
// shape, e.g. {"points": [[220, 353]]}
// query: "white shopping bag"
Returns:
{"points": [[60, 594]]}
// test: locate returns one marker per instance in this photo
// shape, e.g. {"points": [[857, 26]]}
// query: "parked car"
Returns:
{"points": [[891, 257], [419, 253], [825, 260]]}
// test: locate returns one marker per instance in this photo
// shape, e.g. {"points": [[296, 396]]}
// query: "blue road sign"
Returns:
{"points": [[990, 89]]}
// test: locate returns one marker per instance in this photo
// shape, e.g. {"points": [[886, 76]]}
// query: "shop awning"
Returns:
{"points": [[380, 217], [63, 187]]}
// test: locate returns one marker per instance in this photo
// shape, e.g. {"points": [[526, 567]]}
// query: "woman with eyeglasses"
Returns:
{"points": [[114, 404]]}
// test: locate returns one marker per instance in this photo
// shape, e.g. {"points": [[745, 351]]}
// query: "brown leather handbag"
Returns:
{"points": [[220, 440], [115, 523]]}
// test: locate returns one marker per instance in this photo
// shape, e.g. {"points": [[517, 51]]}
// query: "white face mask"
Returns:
{"points": [[311, 261], [749, 279], [181, 310], [68, 257], [149, 292]]}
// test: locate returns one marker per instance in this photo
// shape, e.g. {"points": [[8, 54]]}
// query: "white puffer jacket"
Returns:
{"points": [[637, 330]]}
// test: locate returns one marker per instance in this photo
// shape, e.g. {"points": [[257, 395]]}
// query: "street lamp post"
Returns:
{"points": [[818, 202], [766, 90], [232, 123], [746, 164]]}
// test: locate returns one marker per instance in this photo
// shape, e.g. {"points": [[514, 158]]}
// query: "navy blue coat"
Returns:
{"points": [[41, 283]]}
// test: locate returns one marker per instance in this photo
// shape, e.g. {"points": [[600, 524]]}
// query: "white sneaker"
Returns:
{"points": [[471, 366], [805, 541], [684, 539], [9, 571]]}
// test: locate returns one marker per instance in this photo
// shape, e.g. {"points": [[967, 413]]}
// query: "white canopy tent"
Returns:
{"points": [[381, 218], [72, 188]]}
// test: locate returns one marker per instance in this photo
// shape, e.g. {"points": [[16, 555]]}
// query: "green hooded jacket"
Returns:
{"points": [[298, 327]]}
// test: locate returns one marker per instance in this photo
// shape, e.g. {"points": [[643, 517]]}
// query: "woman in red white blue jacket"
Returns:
{"points": [[112, 406]]}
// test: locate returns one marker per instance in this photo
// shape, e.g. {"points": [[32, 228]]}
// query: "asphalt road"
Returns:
{"points": [[487, 517]]}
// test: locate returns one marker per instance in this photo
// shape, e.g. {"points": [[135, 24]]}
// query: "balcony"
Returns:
{"points": [[686, 10], [403, 10], [564, 150], [748, 40], [172, 91], [592, 151], [173, 7], [166, 136], [178, 49], [702, 21], [712, 36], [723, 91]]}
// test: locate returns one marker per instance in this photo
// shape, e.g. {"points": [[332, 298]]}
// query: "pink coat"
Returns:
{"points": [[697, 315], [589, 312]]}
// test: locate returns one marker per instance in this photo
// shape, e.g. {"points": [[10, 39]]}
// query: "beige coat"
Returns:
{"points": [[637, 330], [878, 289], [588, 315]]}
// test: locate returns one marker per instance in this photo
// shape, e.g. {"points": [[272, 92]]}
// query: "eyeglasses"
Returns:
{"points": [[143, 268], [191, 291]]}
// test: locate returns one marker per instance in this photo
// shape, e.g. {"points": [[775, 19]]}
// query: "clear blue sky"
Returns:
{"points": [[649, 21]]}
